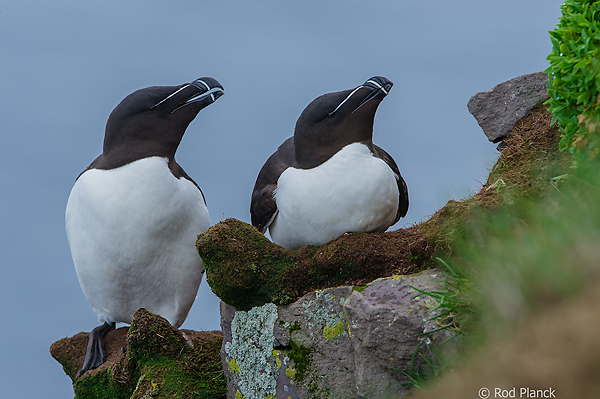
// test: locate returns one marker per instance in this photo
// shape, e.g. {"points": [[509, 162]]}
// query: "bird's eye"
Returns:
{"points": [[331, 114]]}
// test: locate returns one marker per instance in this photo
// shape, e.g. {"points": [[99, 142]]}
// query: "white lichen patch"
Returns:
{"points": [[321, 313], [345, 301], [251, 350]]}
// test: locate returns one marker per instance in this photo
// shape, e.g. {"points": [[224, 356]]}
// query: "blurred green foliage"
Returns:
{"points": [[574, 74]]}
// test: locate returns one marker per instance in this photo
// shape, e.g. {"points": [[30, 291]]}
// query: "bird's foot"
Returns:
{"points": [[95, 354]]}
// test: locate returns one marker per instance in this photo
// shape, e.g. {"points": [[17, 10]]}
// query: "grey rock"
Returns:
{"points": [[498, 110], [344, 342]]}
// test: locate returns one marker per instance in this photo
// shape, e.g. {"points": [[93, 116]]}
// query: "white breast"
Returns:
{"points": [[353, 191], [132, 232]]}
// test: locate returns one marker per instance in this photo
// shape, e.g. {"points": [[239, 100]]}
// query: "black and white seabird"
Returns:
{"points": [[134, 214], [329, 178]]}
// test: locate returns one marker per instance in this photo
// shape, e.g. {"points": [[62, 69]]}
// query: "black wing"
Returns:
{"points": [[263, 206], [402, 188], [178, 172]]}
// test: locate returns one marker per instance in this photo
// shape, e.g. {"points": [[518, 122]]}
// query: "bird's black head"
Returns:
{"points": [[335, 120], [152, 121]]}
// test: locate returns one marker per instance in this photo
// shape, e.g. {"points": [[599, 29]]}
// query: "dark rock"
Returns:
{"points": [[501, 146], [498, 110], [345, 342]]}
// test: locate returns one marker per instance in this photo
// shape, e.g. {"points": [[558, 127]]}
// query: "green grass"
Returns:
{"points": [[538, 253], [421, 373], [457, 311], [521, 261]]}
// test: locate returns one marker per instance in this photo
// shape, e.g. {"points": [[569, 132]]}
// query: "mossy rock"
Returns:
{"points": [[245, 269], [150, 359]]}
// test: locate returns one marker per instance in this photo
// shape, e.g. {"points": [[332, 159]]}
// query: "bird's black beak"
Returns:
{"points": [[377, 88], [380, 88], [203, 92], [210, 90]]}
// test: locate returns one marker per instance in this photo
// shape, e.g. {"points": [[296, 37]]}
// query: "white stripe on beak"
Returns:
{"points": [[204, 83], [378, 85], [210, 92]]}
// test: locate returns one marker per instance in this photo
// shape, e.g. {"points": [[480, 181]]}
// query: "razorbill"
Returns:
{"points": [[329, 178], [134, 214]]}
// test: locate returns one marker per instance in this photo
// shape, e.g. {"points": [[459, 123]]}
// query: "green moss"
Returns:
{"points": [[65, 361], [157, 363], [178, 378], [100, 386], [290, 373], [295, 327], [154, 339], [302, 357], [233, 367], [359, 288], [202, 385], [277, 360], [332, 332], [246, 270], [243, 267]]}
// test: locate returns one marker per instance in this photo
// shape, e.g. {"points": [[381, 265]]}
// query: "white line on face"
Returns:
{"points": [[169, 96], [345, 99]]}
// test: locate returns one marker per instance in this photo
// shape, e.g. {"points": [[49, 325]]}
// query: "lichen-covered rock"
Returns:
{"points": [[345, 342], [250, 355], [151, 359], [245, 269], [498, 110]]}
